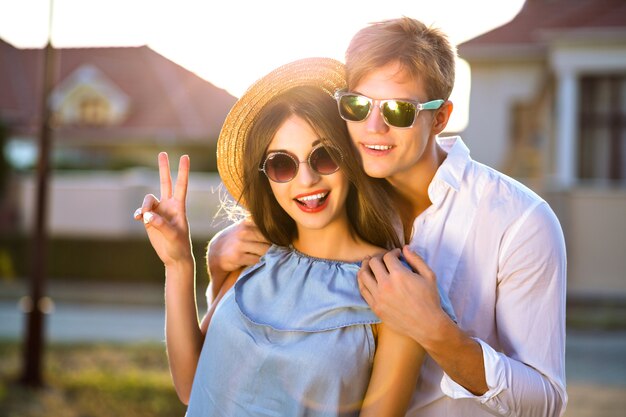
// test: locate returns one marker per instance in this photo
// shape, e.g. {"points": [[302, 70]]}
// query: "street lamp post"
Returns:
{"points": [[33, 346]]}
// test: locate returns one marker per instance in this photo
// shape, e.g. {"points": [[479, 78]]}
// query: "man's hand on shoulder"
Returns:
{"points": [[239, 245], [406, 301]]}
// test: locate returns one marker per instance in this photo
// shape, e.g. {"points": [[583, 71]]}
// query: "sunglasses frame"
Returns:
{"points": [[298, 162], [429, 105]]}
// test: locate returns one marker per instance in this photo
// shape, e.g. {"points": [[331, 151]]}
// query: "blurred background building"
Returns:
{"points": [[548, 107], [113, 110]]}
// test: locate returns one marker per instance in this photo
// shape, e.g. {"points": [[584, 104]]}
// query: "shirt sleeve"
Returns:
{"points": [[526, 374]]}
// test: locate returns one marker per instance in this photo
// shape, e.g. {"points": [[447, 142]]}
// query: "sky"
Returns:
{"points": [[231, 43]]}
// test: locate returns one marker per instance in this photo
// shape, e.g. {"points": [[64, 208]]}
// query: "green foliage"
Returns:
{"points": [[92, 380], [95, 259], [596, 314]]}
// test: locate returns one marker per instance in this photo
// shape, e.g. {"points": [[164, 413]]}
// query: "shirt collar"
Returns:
{"points": [[450, 173]]}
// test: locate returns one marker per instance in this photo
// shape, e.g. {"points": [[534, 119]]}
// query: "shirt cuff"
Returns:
{"points": [[495, 374]]}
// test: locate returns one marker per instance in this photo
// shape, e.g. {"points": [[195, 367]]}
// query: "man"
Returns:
{"points": [[493, 245]]}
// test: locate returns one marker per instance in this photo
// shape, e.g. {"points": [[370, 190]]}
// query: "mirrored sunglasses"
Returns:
{"points": [[282, 166], [396, 113]]}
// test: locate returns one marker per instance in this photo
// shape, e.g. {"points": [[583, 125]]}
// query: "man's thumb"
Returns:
{"points": [[417, 263]]}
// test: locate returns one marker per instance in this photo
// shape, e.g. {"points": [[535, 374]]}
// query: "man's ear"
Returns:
{"points": [[441, 118]]}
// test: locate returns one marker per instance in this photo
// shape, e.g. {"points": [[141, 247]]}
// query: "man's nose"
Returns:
{"points": [[375, 123]]}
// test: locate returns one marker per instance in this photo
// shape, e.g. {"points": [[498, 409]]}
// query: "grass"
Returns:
{"points": [[91, 380]]}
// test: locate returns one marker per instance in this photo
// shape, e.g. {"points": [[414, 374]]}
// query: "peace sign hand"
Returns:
{"points": [[165, 220]]}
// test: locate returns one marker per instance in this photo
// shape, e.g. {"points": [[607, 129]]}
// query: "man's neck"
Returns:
{"points": [[412, 185]]}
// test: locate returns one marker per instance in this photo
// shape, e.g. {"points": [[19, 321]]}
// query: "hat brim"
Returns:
{"points": [[326, 73]]}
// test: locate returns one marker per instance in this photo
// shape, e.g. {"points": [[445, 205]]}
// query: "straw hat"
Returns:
{"points": [[325, 73]]}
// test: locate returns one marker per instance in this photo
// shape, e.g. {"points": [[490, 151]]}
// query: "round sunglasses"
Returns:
{"points": [[282, 166], [396, 113]]}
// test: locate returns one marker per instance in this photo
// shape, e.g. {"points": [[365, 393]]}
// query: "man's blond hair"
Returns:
{"points": [[423, 52]]}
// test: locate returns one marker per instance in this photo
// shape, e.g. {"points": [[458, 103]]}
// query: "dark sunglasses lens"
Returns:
{"points": [[280, 167], [325, 160], [399, 113], [354, 108]]}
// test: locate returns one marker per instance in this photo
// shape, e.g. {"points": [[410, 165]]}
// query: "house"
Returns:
{"points": [[111, 106], [548, 107], [113, 109]]}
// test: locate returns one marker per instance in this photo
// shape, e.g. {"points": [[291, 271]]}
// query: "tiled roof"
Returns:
{"points": [[537, 18], [166, 100]]}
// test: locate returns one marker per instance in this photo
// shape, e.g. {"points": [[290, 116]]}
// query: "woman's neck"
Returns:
{"points": [[335, 241]]}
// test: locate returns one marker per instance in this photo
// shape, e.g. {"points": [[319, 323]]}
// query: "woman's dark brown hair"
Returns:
{"points": [[371, 215]]}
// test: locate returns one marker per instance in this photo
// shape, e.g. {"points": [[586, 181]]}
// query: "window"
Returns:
{"points": [[602, 129], [94, 111]]}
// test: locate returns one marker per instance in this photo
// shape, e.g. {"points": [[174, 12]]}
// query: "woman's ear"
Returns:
{"points": [[442, 116]]}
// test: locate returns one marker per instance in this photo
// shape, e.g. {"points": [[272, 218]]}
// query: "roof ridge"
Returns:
{"points": [[171, 83], [541, 15]]}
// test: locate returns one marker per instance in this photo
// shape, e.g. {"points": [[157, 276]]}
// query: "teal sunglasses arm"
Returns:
{"points": [[431, 105]]}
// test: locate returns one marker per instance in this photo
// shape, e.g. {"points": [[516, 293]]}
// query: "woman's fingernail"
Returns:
{"points": [[137, 213], [147, 217]]}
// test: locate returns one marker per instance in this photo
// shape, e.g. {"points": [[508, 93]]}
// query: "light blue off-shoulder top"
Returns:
{"points": [[292, 337]]}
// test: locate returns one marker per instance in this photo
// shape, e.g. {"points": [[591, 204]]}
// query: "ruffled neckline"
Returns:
{"points": [[291, 291], [315, 258]]}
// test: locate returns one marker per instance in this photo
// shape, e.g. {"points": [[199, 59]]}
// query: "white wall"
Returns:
{"points": [[494, 90], [595, 233], [102, 204]]}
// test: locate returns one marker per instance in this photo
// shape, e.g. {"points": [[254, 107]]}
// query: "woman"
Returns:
{"points": [[290, 336]]}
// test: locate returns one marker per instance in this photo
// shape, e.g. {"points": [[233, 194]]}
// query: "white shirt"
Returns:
{"points": [[498, 251]]}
